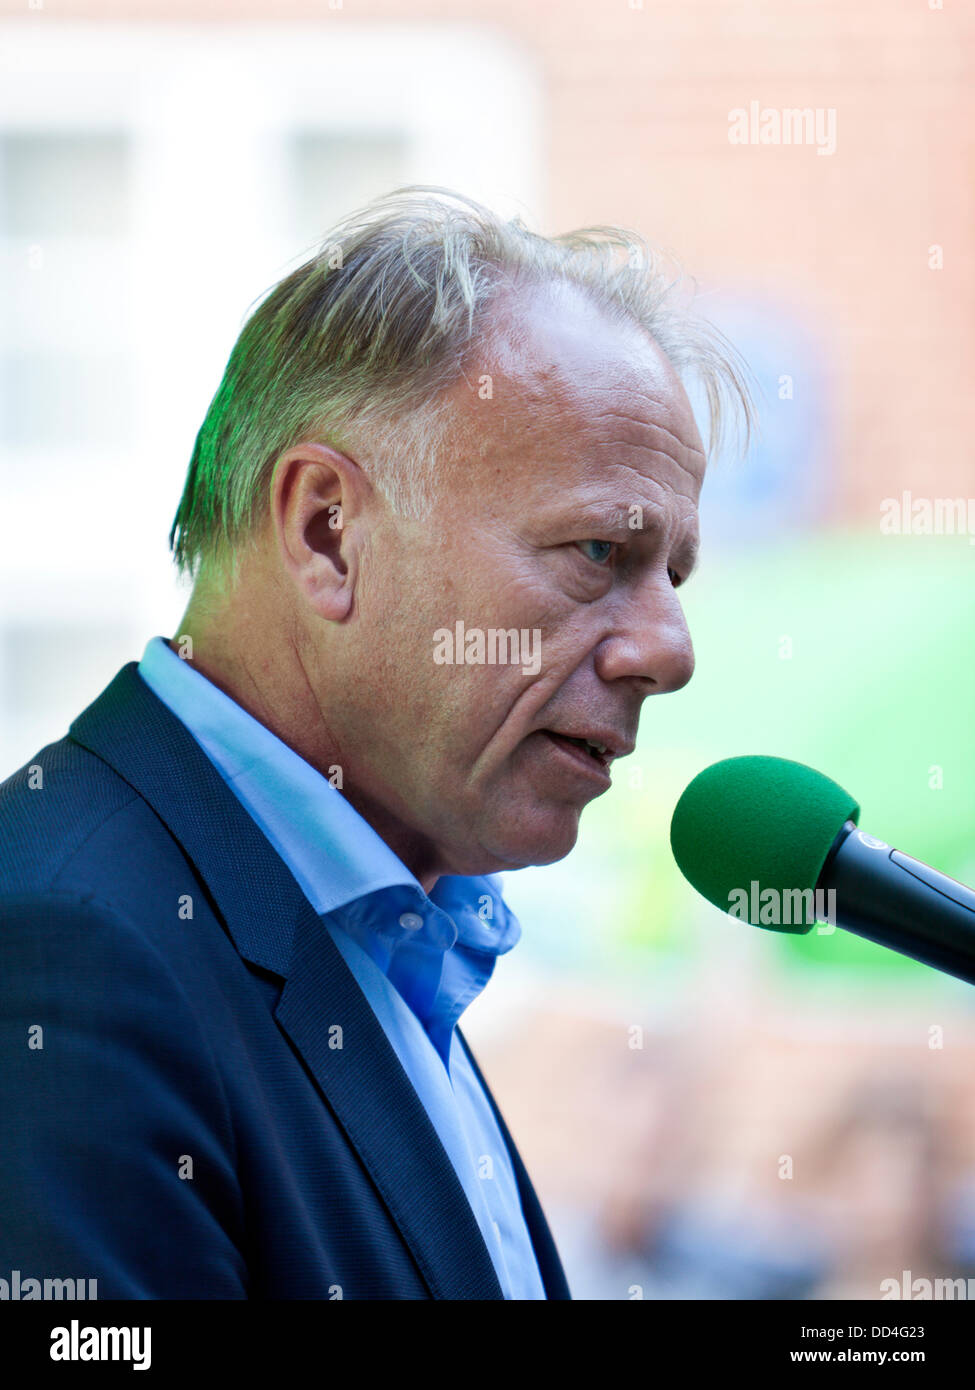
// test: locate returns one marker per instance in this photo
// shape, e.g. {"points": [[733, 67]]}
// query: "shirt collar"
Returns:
{"points": [[334, 853]]}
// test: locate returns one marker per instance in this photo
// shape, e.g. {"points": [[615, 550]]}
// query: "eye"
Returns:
{"points": [[597, 551]]}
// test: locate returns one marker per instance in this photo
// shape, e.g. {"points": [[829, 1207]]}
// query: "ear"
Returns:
{"points": [[318, 498]]}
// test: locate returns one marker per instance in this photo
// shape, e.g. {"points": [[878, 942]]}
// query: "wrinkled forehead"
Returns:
{"points": [[558, 394]]}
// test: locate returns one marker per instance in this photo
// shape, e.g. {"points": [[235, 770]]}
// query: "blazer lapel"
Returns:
{"points": [[274, 926], [365, 1084]]}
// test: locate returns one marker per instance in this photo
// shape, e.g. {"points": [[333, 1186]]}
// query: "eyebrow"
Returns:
{"points": [[615, 516]]}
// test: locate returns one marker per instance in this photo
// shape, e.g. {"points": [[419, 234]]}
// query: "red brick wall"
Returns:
{"points": [[636, 117]]}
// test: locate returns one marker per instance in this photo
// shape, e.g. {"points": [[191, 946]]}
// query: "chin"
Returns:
{"points": [[534, 839]]}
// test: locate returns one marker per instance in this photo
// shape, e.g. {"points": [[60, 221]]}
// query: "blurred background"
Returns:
{"points": [[708, 1110]]}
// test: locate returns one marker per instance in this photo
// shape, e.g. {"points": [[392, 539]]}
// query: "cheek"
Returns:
{"points": [[470, 700], [434, 622]]}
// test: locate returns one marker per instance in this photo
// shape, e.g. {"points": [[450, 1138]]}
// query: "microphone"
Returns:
{"points": [[777, 844]]}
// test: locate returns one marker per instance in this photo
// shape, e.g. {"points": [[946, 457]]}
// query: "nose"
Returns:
{"points": [[650, 641]]}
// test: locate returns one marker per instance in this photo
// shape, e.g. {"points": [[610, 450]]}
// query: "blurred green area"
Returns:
{"points": [[851, 651]]}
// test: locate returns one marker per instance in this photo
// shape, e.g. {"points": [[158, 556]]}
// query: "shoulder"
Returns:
{"points": [[49, 810], [72, 826]]}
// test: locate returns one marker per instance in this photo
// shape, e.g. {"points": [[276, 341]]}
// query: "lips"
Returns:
{"points": [[601, 745], [596, 751], [572, 753]]}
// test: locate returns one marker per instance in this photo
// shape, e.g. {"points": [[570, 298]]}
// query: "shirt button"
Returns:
{"points": [[411, 921]]}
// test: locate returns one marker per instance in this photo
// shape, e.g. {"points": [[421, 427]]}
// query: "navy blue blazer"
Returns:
{"points": [[176, 1120]]}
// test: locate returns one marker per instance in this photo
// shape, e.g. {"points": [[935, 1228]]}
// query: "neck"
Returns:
{"points": [[258, 665]]}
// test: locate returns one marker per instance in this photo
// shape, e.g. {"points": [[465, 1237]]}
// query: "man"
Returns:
{"points": [[437, 516]]}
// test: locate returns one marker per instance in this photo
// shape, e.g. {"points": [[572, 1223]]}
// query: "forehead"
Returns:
{"points": [[578, 407]]}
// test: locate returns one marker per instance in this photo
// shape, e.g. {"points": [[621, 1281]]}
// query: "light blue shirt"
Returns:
{"points": [[419, 959]]}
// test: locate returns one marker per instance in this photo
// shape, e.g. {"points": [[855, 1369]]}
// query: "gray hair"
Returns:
{"points": [[364, 338]]}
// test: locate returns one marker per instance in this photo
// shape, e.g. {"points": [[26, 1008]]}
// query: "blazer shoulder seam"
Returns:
{"points": [[99, 825]]}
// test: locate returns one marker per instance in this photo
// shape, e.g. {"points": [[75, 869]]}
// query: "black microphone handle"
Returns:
{"points": [[886, 896]]}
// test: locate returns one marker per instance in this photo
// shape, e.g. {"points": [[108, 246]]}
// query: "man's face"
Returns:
{"points": [[567, 515]]}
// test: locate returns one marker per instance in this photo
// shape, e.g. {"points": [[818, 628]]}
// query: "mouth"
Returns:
{"points": [[593, 749], [602, 745], [589, 756]]}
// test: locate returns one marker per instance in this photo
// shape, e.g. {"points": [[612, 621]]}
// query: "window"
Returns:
{"points": [[155, 180]]}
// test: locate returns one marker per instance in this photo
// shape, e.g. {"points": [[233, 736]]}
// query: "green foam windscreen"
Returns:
{"points": [[757, 821]]}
